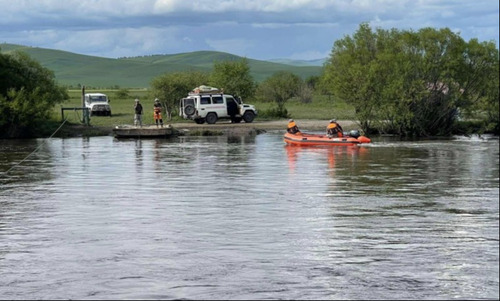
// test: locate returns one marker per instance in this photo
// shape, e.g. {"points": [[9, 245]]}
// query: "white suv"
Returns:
{"points": [[213, 105], [98, 104]]}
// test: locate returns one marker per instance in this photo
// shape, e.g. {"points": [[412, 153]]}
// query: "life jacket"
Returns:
{"points": [[157, 111], [292, 128], [333, 128]]}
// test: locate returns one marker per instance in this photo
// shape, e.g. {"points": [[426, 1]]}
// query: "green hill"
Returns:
{"points": [[73, 69], [318, 62]]}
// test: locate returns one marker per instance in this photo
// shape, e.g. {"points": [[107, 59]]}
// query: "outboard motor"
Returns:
{"points": [[354, 133]]}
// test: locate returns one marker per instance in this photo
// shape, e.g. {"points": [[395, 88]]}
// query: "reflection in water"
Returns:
{"points": [[249, 218], [350, 154], [19, 157]]}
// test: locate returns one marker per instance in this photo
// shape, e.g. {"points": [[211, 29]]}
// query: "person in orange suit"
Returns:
{"points": [[292, 128], [334, 129], [157, 113]]}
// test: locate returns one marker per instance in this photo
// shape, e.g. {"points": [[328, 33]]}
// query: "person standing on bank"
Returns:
{"points": [[232, 109], [138, 113], [157, 113]]}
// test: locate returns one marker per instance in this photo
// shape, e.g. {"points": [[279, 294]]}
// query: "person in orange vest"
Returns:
{"points": [[334, 129], [292, 128], [157, 113]]}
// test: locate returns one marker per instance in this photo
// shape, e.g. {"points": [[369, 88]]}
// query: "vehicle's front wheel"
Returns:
{"points": [[211, 118], [248, 116]]}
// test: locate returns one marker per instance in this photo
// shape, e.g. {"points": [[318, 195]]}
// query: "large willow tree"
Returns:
{"points": [[412, 83], [234, 77], [279, 88]]}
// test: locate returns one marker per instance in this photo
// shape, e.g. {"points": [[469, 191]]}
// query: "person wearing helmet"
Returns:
{"points": [[157, 113], [138, 113], [334, 129], [292, 128]]}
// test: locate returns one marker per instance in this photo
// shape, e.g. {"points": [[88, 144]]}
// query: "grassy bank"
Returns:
{"points": [[321, 108]]}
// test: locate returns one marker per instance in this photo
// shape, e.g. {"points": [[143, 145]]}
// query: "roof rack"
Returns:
{"points": [[206, 90]]}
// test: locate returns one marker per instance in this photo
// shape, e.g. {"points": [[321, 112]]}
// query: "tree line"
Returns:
{"points": [[399, 82], [235, 79], [415, 83], [28, 93]]}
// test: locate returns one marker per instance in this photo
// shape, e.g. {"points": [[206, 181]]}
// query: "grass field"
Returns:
{"points": [[322, 107]]}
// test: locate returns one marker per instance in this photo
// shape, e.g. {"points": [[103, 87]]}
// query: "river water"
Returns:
{"points": [[248, 218]]}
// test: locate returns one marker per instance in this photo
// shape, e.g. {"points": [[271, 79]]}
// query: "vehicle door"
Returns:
{"points": [[87, 100], [219, 105], [205, 105], [187, 107], [232, 106]]}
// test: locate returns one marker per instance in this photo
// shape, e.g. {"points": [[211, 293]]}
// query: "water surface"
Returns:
{"points": [[248, 218]]}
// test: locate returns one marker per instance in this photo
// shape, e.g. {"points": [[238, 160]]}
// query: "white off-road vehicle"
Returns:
{"points": [[98, 104], [211, 104]]}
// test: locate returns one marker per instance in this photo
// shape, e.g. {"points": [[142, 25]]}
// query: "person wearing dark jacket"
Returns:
{"points": [[138, 113], [232, 109]]}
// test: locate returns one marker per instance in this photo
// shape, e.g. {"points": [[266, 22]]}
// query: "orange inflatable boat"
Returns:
{"points": [[304, 139]]}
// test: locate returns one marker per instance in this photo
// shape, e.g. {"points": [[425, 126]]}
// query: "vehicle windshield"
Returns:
{"points": [[98, 98]]}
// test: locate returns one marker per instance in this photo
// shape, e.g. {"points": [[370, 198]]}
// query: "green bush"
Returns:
{"points": [[28, 93]]}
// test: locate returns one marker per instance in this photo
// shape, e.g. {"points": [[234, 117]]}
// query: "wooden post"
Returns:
{"points": [[85, 112], [83, 96]]}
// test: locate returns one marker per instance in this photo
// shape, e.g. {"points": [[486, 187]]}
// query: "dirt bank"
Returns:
{"points": [[258, 126], [220, 128]]}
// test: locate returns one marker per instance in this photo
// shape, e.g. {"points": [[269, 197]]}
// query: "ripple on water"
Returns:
{"points": [[219, 218]]}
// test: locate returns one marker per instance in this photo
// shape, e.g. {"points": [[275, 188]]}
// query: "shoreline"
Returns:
{"points": [[222, 127]]}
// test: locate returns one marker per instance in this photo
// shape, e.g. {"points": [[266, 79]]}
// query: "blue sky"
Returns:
{"points": [[257, 29]]}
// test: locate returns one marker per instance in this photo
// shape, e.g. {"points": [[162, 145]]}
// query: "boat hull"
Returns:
{"points": [[304, 139], [143, 132]]}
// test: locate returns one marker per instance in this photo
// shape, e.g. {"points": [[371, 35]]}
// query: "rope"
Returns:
{"points": [[78, 115], [37, 147]]}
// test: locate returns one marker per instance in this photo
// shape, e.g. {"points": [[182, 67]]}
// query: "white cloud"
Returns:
{"points": [[254, 28], [109, 43], [271, 25], [169, 6], [208, 6]]}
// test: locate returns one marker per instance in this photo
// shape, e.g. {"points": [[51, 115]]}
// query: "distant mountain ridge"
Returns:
{"points": [[73, 69], [318, 62]]}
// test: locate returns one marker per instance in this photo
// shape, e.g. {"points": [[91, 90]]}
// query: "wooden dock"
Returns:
{"points": [[148, 131]]}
